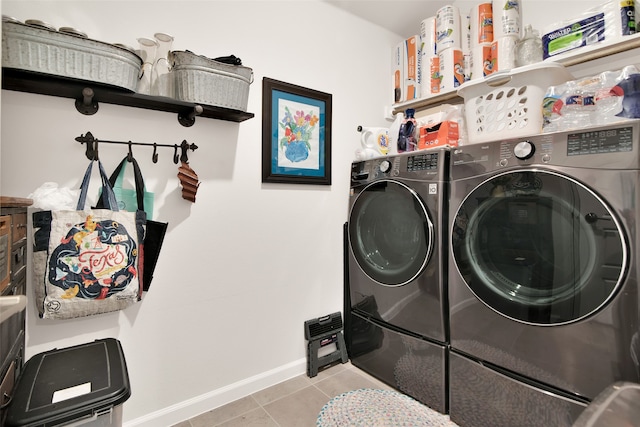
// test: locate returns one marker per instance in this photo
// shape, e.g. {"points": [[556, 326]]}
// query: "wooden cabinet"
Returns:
{"points": [[13, 238], [13, 300]]}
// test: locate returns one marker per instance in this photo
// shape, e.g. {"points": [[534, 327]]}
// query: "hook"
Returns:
{"points": [[130, 154], [95, 150], [185, 147], [87, 105], [175, 154], [87, 139], [154, 156]]}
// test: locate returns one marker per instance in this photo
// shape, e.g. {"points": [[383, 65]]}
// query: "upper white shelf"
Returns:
{"points": [[567, 59]]}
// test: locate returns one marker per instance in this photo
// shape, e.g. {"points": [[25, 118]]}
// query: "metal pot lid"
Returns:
{"points": [[6, 18], [124, 46], [73, 32], [41, 24]]}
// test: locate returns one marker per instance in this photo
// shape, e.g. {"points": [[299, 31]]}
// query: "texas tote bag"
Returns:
{"points": [[87, 261]]}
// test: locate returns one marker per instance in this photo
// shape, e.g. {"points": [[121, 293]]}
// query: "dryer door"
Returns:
{"points": [[390, 233], [539, 247]]}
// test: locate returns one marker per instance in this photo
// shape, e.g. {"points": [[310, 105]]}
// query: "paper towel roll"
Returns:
{"points": [[468, 62], [503, 53], [465, 22], [507, 18], [481, 24], [430, 82], [448, 29], [428, 36], [481, 65], [451, 68]]}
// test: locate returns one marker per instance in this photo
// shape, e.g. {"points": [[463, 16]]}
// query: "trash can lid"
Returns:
{"points": [[63, 385], [617, 405]]}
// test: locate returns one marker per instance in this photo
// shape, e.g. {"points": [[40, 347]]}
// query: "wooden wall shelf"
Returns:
{"points": [[46, 84]]}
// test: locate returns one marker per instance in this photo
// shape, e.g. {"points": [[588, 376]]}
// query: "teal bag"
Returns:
{"points": [[139, 200], [127, 197]]}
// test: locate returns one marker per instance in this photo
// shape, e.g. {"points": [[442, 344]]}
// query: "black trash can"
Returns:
{"points": [[85, 385]]}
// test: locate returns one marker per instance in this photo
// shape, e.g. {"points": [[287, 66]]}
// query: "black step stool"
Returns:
{"points": [[319, 333]]}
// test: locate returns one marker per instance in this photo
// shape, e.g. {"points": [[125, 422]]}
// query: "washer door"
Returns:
{"points": [[539, 247], [390, 233]]}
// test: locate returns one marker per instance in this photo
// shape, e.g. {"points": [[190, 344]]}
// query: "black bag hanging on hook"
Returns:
{"points": [[155, 230]]}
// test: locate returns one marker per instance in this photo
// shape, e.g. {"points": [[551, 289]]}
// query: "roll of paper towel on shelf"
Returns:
{"points": [[481, 65], [451, 69], [503, 53], [448, 28], [507, 18], [428, 36], [481, 24]]}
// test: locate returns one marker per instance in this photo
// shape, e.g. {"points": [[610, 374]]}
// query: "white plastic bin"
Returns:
{"points": [[509, 104]]}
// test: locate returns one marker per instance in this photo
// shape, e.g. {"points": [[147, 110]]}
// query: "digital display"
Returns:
{"points": [[423, 162], [600, 141]]}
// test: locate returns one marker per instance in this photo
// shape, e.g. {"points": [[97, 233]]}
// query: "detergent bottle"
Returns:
{"points": [[394, 132], [375, 138], [407, 135]]}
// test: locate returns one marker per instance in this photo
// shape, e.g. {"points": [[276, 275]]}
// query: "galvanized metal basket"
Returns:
{"points": [[64, 54], [205, 81]]}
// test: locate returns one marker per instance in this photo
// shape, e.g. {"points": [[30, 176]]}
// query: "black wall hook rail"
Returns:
{"points": [[92, 147]]}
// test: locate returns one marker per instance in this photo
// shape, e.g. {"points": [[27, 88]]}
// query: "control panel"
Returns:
{"points": [[420, 163]]}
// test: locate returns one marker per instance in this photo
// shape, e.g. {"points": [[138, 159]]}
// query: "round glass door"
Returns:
{"points": [[539, 247], [390, 233]]}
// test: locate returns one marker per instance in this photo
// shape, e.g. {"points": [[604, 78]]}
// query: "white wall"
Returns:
{"points": [[248, 263]]}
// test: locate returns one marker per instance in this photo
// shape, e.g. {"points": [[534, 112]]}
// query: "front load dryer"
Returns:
{"points": [[543, 276], [395, 295]]}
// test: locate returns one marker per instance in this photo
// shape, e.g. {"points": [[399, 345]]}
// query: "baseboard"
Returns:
{"points": [[200, 404]]}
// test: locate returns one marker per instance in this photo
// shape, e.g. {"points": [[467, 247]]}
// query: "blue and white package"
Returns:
{"points": [[609, 21], [584, 32]]}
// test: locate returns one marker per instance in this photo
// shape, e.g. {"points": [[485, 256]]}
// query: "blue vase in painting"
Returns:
{"points": [[297, 151]]}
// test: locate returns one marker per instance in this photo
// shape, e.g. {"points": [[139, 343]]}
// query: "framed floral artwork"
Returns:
{"points": [[296, 134]]}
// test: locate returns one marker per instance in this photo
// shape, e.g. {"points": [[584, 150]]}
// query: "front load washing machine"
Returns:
{"points": [[543, 283], [395, 297]]}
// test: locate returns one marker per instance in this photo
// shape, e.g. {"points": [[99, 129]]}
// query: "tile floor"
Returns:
{"points": [[293, 403]]}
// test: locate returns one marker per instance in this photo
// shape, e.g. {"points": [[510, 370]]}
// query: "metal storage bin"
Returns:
{"points": [[205, 81], [30, 48], [85, 385]]}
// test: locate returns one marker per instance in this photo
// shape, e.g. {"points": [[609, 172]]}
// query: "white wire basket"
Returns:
{"points": [[509, 104]]}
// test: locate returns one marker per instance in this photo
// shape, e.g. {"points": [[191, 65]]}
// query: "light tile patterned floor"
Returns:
{"points": [[293, 403]]}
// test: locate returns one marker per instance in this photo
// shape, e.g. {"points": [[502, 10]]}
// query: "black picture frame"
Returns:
{"points": [[296, 134]]}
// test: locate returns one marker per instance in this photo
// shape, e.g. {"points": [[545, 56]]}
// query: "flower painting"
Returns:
{"points": [[296, 134]]}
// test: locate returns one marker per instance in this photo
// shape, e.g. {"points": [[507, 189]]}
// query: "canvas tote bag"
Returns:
{"points": [[87, 261], [154, 230], [127, 198]]}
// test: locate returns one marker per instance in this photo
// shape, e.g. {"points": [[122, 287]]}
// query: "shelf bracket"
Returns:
{"points": [[189, 119], [87, 105]]}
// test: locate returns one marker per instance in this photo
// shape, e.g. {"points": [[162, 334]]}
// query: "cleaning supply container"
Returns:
{"points": [[83, 385]]}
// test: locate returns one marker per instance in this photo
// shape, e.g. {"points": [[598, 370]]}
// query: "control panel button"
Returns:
{"points": [[524, 150], [385, 165]]}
